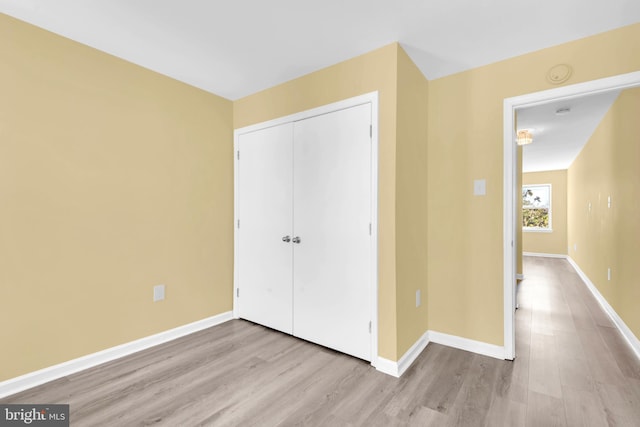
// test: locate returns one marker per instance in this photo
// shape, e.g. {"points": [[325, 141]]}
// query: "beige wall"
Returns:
{"points": [[610, 237], [411, 203], [554, 242], [465, 233], [116, 179], [112, 179]]}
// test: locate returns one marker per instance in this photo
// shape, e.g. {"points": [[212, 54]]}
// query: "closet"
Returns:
{"points": [[304, 228]]}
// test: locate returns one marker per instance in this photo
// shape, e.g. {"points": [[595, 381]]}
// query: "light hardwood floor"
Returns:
{"points": [[573, 368]]}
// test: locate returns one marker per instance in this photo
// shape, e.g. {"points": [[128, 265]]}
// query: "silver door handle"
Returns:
{"points": [[296, 239], [286, 239]]}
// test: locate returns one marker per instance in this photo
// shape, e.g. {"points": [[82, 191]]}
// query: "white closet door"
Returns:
{"points": [[265, 214], [332, 213]]}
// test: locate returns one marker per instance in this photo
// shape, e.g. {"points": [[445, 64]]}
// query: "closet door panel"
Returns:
{"points": [[265, 214], [332, 213]]}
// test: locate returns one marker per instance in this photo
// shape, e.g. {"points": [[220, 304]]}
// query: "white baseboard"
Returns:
{"points": [[398, 368], [545, 255], [387, 366], [467, 344], [622, 327], [32, 379]]}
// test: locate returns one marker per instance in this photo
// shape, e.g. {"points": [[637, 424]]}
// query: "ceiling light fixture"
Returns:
{"points": [[524, 137]]}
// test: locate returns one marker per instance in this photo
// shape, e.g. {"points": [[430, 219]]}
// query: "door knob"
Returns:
{"points": [[286, 239], [296, 239]]}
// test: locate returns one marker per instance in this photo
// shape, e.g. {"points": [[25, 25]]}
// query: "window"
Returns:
{"points": [[536, 207]]}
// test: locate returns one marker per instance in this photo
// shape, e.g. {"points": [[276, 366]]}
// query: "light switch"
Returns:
{"points": [[480, 187], [158, 293]]}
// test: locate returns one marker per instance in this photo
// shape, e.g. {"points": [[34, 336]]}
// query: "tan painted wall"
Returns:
{"points": [[117, 179], [465, 267], [112, 179], [374, 71], [610, 237], [554, 242], [411, 203]]}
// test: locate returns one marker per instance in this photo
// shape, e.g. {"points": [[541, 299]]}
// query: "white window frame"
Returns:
{"points": [[548, 229]]}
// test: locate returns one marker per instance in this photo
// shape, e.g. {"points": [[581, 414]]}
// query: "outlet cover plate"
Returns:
{"points": [[479, 187]]}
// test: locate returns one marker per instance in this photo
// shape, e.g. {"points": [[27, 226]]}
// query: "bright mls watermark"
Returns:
{"points": [[34, 415]]}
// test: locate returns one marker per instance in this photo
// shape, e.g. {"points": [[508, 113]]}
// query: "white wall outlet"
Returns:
{"points": [[158, 293], [575, 247], [589, 207], [608, 274], [418, 298], [480, 187], [609, 202]]}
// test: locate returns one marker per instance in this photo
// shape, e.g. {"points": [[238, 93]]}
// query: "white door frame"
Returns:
{"points": [[371, 98], [620, 82]]}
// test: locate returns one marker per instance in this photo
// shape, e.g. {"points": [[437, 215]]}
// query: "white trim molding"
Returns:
{"points": [[387, 366], [543, 255], [396, 369], [629, 336], [33, 379], [467, 344]]}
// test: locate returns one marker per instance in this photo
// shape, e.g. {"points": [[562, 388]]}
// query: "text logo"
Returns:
{"points": [[34, 415]]}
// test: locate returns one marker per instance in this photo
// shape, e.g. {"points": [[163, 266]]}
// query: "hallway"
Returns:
{"points": [[580, 369]]}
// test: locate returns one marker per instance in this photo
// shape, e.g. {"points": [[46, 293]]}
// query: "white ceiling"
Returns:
{"points": [[558, 139], [237, 47]]}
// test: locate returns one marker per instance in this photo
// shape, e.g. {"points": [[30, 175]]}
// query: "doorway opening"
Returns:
{"points": [[510, 191]]}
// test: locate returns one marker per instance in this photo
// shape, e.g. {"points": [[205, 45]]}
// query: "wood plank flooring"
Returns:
{"points": [[572, 369]]}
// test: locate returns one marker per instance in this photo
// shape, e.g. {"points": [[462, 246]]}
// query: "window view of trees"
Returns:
{"points": [[536, 207]]}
